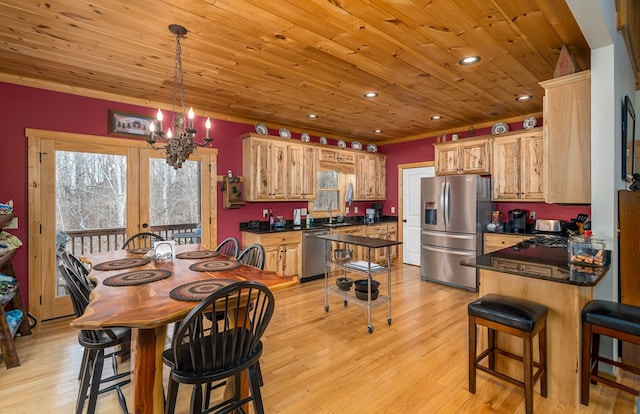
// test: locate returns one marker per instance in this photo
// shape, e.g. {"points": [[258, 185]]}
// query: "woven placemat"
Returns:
{"points": [[122, 263], [214, 265], [198, 254], [137, 277], [141, 250], [196, 291]]}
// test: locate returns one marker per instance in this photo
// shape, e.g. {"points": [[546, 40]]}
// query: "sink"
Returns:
{"points": [[335, 224]]}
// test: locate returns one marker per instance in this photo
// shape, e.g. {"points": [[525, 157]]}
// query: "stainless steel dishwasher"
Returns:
{"points": [[313, 257]]}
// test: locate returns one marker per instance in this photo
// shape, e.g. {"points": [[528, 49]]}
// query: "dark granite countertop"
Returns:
{"points": [[318, 224], [540, 262]]}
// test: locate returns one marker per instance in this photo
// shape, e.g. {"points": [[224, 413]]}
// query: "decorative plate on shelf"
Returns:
{"points": [[356, 145], [284, 133], [261, 129], [372, 148], [529, 122], [323, 140], [499, 128], [305, 137], [342, 144]]}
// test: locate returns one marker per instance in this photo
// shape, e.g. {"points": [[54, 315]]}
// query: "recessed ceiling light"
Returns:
{"points": [[469, 60], [369, 95], [524, 97], [377, 131], [312, 116], [436, 117]]}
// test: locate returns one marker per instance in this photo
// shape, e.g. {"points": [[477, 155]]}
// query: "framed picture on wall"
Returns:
{"points": [[121, 123]]}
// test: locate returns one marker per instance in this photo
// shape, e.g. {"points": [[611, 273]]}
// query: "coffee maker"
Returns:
{"points": [[518, 220], [377, 207]]}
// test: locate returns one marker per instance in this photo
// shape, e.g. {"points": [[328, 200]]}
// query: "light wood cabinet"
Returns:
{"points": [[567, 139], [265, 164], [517, 170], [277, 169], [282, 250], [384, 231], [370, 177], [468, 156], [499, 241], [358, 251], [336, 156], [302, 172]]}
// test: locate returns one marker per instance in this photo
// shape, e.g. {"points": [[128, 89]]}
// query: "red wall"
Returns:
{"points": [[24, 107]]}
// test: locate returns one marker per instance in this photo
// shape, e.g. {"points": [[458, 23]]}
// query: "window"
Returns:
{"points": [[328, 191]]}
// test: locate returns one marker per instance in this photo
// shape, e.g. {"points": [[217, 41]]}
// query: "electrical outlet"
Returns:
{"points": [[265, 213], [355, 209], [303, 211], [346, 210], [393, 210], [532, 215]]}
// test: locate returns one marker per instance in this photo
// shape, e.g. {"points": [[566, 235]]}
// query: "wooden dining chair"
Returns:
{"points": [[95, 344], [142, 240], [253, 256], [229, 247], [233, 346]]}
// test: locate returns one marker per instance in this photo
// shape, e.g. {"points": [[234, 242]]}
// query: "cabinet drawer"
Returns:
{"points": [[493, 242], [276, 239]]}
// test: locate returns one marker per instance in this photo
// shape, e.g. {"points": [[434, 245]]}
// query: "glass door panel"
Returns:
{"points": [[174, 200], [86, 199]]}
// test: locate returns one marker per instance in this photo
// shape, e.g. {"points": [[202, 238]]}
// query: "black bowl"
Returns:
{"points": [[344, 283], [362, 285], [363, 295]]}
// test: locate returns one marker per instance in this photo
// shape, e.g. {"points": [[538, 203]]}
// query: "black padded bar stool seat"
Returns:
{"points": [[518, 317], [615, 320], [516, 313]]}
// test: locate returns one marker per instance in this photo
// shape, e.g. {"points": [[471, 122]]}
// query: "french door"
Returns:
{"points": [[93, 192]]}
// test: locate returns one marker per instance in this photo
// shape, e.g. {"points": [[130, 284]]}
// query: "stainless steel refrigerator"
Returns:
{"points": [[455, 211]]}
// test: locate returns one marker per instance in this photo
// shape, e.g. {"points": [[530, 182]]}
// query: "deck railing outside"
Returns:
{"points": [[103, 240]]}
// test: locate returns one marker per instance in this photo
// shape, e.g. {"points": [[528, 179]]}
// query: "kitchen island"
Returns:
{"points": [[543, 275]]}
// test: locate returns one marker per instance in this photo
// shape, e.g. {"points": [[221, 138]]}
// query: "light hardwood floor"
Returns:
{"points": [[325, 362]]}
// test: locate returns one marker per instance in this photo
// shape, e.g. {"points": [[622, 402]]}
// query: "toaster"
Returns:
{"points": [[551, 226]]}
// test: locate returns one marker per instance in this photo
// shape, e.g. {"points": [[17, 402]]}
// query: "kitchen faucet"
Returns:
{"points": [[330, 215]]}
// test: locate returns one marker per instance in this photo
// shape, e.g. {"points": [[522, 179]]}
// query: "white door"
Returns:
{"points": [[411, 212]]}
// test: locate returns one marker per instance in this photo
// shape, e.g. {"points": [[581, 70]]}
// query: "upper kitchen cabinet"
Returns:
{"points": [[517, 170], [264, 166], [370, 177], [567, 139], [468, 156], [330, 155], [302, 172]]}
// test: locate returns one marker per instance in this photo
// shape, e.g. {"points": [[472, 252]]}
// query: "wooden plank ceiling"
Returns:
{"points": [[277, 61]]}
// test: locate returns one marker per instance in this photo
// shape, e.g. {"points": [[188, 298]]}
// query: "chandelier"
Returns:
{"points": [[178, 139]]}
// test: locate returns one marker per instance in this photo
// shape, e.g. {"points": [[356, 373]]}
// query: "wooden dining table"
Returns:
{"points": [[148, 309]]}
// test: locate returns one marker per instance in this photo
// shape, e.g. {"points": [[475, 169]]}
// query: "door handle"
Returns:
{"points": [[404, 220]]}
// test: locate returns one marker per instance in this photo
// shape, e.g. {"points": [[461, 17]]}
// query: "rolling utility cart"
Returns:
{"points": [[366, 268]]}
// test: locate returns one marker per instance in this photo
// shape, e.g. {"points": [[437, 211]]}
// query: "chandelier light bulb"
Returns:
{"points": [[207, 125], [169, 134]]}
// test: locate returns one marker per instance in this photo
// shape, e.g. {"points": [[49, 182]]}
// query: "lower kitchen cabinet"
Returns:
{"points": [[282, 250], [384, 231], [358, 251]]}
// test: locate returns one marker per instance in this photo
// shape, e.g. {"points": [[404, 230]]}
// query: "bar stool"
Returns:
{"points": [[516, 317], [612, 319]]}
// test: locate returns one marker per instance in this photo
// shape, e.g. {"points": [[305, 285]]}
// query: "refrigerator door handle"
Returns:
{"points": [[443, 203], [447, 204], [449, 251], [465, 236]]}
